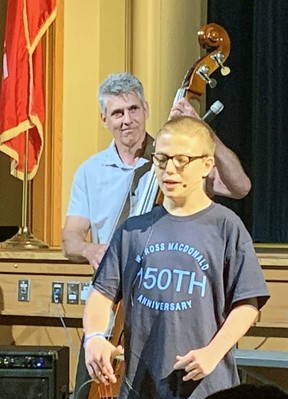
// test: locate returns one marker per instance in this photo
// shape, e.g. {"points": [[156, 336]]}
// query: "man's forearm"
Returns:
{"points": [[231, 171], [74, 247]]}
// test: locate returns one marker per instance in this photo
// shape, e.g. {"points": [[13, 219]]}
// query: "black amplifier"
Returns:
{"points": [[32, 372]]}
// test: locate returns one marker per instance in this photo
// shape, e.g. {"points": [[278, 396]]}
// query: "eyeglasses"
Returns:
{"points": [[179, 161]]}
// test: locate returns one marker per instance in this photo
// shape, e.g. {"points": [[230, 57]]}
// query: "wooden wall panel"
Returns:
{"points": [[46, 187]]}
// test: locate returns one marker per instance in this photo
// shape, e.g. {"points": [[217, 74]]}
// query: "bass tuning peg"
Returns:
{"points": [[218, 58], [203, 71]]}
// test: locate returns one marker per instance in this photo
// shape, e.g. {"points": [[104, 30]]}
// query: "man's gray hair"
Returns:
{"points": [[117, 84]]}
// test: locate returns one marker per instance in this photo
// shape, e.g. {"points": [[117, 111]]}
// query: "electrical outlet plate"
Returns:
{"points": [[73, 293], [85, 287], [57, 292], [24, 290]]}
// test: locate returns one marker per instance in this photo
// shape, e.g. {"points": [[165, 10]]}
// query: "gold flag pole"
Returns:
{"points": [[24, 239]]}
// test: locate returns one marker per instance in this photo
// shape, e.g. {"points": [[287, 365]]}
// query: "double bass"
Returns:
{"points": [[214, 39]]}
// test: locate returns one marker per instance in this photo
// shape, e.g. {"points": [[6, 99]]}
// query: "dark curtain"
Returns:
{"points": [[255, 96]]}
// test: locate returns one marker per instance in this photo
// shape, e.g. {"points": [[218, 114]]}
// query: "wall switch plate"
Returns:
{"points": [[57, 292], [85, 288], [73, 293], [24, 290]]}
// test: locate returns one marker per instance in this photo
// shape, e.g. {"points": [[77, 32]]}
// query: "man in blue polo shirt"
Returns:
{"points": [[102, 183]]}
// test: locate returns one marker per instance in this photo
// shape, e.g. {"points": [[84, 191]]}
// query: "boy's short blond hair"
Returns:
{"points": [[191, 127]]}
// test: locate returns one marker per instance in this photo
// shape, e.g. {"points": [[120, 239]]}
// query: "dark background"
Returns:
{"points": [[255, 96]]}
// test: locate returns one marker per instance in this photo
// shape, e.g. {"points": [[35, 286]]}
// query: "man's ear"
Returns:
{"points": [[146, 109], [103, 118], [208, 163]]}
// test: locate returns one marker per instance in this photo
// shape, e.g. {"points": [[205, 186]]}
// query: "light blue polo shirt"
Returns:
{"points": [[99, 190]]}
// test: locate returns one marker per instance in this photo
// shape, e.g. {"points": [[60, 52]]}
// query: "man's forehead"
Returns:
{"points": [[124, 99]]}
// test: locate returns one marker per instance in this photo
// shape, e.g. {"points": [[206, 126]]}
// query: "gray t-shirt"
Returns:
{"points": [[179, 278]]}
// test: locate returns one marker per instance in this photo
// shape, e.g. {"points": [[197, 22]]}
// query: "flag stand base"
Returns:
{"points": [[24, 239]]}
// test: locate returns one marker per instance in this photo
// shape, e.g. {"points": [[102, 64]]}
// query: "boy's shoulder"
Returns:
{"points": [[225, 212]]}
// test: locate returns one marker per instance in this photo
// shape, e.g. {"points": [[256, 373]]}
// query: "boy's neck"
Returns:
{"points": [[187, 206]]}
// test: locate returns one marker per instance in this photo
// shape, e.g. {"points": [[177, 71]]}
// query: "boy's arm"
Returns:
{"points": [[235, 326], [201, 362], [96, 312], [98, 351]]}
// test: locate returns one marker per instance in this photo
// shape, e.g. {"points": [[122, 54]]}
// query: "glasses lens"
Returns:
{"points": [[180, 161], [160, 160]]}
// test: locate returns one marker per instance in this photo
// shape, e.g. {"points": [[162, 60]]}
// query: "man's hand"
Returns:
{"points": [[182, 108], [75, 246], [94, 253], [99, 355], [228, 178], [197, 363]]}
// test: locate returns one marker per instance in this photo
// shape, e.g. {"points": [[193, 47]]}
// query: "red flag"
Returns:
{"points": [[22, 98]]}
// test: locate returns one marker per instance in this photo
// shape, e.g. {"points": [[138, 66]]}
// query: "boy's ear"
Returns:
{"points": [[208, 163]]}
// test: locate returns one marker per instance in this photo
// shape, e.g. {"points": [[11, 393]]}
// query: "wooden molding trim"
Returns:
{"points": [[46, 187]]}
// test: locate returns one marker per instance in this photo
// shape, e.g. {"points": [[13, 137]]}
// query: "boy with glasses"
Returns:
{"points": [[188, 276]]}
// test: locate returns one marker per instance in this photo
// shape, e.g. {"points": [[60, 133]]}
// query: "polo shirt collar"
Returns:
{"points": [[113, 159]]}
